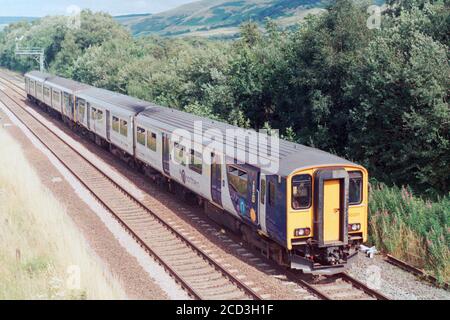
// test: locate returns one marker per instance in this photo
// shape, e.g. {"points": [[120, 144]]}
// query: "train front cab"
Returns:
{"points": [[326, 217]]}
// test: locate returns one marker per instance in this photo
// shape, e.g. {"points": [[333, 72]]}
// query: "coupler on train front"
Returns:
{"points": [[327, 260]]}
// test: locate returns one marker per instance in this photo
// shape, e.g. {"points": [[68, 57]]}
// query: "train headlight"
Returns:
{"points": [[354, 227], [303, 232]]}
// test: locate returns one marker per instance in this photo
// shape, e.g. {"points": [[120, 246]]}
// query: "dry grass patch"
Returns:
{"points": [[411, 228], [42, 253]]}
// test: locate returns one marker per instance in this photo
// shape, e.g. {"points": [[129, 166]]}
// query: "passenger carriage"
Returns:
{"points": [[110, 116], [34, 85], [63, 91]]}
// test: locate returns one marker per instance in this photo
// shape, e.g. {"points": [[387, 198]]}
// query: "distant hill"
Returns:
{"points": [[219, 17], [4, 21]]}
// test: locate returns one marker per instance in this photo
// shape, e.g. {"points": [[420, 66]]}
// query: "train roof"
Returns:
{"points": [[292, 156], [37, 75], [96, 95], [67, 85]]}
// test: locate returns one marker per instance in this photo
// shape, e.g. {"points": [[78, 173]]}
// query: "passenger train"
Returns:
{"points": [[311, 214]]}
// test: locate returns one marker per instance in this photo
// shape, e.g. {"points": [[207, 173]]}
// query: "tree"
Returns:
{"points": [[402, 116]]}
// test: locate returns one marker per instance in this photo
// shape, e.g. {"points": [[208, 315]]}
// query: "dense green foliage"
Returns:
{"points": [[408, 227]]}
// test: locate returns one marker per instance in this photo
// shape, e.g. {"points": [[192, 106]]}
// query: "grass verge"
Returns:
{"points": [[411, 228], [42, 253]]}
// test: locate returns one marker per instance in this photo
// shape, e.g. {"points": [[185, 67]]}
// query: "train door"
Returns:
{"points": [[216, 179], [88, 115], [331, 206], [262, 202], [108, 125], [252, 194], [166, 153], [66, 103], [331, 211]]}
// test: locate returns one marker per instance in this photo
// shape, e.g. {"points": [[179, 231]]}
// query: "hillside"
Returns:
{"points": [[219, 17], [4, 21]]}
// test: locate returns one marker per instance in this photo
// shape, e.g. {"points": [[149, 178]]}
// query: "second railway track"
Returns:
{"points": [[196, 272]]}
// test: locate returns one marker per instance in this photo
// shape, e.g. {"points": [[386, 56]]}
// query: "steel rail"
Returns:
{"points": [[416, 271], [361, 286]]}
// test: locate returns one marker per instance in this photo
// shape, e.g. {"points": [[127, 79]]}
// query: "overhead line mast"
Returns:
{"points": [[36, 53]]}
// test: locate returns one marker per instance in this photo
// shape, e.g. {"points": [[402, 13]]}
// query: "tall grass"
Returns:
{"points": [[411, 228], [42, 253]]}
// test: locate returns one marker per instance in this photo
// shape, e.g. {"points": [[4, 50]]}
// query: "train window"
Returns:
{"points": [[56, 98], [140, 136], [115, 124], [93, 113], [124, 128], [81, 108], [238, 180], [301, 192], [355, 188], [253, 192], [272, 192], [99, 115], [67, 100], [47, 92], [263, 191], [196, 163], [179, 154], [151, 141]]}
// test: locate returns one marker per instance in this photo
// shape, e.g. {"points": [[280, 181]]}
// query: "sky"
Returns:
{"points": [[39, 8]]}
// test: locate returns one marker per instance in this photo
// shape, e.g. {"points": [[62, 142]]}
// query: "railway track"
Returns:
{"points": [[416, 271], [341, 286], [190, 266]]}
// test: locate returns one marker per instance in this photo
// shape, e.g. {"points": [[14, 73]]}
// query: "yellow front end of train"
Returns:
{"points": [[327, 217]]}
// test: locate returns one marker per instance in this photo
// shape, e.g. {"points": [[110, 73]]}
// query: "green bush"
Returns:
{"points": [[411, 228]]}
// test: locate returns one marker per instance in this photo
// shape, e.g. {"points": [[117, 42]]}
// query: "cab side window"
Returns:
{"points": [[355, 188], [301, 191]]}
